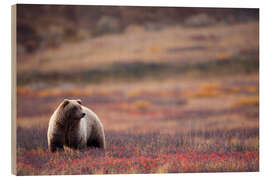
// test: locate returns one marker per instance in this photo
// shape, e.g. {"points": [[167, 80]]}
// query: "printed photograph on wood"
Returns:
{"points": [[135, 90]]}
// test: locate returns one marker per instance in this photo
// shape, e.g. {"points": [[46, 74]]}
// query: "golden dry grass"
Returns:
{"points": [[217, 90], [246, 101], [206, 90], [140, 105]]}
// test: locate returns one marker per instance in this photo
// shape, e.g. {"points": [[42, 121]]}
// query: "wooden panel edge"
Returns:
{"points": [[13, 90]]}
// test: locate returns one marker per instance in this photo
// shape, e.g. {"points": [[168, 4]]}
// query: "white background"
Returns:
{"points": [[5, 94]]}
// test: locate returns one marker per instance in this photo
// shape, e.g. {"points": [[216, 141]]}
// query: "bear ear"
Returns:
{"points": [[79, 101], [65, 102]]}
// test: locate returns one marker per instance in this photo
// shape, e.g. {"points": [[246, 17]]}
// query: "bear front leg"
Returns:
{"points": [[55, 144], [97, 140]]}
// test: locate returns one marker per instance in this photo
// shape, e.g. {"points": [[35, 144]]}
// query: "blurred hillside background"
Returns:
{"points": [[44, 26], [93, 43]]}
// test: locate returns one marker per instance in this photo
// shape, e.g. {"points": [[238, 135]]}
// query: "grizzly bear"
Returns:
{"points": [[74, 126]]}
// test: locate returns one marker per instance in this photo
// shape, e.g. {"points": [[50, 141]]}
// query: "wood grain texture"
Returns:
{"points": [[13, 90]]}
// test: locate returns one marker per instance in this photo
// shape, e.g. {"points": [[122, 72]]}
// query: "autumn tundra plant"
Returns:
{"points": [[142, 153]]}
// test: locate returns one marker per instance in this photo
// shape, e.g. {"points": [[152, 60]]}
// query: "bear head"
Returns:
{"points": [[72, 110]]}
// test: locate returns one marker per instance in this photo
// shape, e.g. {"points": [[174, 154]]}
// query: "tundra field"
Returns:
{"points": [[174, 100]]}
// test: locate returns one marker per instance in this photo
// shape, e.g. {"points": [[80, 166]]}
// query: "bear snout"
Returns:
{"points": [[83, 114]]}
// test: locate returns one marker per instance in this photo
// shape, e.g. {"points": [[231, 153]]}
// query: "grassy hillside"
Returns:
{"points": [[177, 89]]}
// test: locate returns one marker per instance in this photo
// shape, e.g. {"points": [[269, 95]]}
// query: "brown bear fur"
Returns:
{"points": [[74, 126]]}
